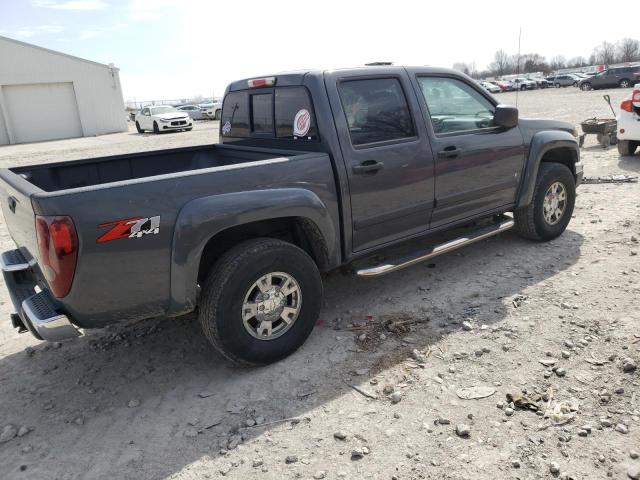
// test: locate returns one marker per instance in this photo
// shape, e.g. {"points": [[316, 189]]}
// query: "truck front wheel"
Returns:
{"points": [[260, 301], [550, 210]]}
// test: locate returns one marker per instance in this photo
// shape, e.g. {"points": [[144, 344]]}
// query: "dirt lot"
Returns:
{"points": [[554, 324]]}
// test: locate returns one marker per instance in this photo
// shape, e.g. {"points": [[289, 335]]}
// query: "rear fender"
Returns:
{"points": [[203, 218]]}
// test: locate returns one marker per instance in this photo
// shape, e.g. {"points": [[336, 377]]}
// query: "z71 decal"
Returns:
{"points": [[130, 228]]}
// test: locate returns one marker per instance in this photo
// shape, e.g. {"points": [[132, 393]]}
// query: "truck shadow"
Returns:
{"points": [[630, 163], [150, 399]]}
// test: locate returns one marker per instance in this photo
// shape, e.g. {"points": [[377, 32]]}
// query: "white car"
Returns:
{"points": [[490, 87], [212, 110], [629, 123], [522, 83], [162, 118]]}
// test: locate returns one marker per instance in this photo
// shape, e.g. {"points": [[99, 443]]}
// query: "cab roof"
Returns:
{"points": [[297, 77]]}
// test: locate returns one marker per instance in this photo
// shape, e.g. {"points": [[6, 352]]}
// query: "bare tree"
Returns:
{"points": [[605, 53], [500, 63], [628, 50], [467, 68], [557, 62], [578, 61]]}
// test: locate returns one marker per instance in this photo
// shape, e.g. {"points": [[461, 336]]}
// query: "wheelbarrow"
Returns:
{"points": [[604, 128]]}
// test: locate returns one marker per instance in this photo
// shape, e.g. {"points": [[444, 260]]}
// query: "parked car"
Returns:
{"points": [[505, 85], [622, 77], [162, 118], [566, 80], [315, 170], [195, 112], [212, 110], [541, 82], [490, 87], [522, 83], [629, 123]]}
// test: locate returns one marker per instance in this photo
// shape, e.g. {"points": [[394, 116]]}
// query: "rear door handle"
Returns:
{"points": [[370, 166], [449, 152]]}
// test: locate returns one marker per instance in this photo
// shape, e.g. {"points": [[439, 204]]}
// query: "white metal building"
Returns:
{"points": [[46, 95]]}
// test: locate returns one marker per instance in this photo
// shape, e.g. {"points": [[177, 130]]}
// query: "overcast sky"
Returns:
{"points": [[170, 49]]}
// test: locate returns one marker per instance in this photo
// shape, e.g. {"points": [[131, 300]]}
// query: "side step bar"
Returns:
{"points": [[504, 224]]}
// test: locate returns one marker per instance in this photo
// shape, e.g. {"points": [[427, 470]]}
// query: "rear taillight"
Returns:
{"points": [[635, 96], [626, 105], [58, 249]]}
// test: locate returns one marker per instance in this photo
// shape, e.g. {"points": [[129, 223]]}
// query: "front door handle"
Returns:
{"points": [[370, 166], [449, 152]]}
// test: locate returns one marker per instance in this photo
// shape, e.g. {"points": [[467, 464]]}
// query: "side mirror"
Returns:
{"points": [[505, 116]]}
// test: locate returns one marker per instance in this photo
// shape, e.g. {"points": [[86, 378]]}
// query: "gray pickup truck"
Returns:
{"points": [[314, 170]]}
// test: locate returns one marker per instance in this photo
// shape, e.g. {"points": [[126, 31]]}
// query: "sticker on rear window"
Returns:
{"points": [[301, 123], [226, 128]]}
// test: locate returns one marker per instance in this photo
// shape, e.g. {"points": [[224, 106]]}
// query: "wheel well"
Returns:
{"points": [[564, 155], [299, 231]]}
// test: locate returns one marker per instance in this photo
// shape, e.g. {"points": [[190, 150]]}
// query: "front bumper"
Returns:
{"points": [[176, 124], [36, 309], [579, 172]]}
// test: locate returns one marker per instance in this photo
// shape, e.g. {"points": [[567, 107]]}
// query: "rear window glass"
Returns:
{"points": [[262, 113], [235, 115], [281, 112], [293, 106]]}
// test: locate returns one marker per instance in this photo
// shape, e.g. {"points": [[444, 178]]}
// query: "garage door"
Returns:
{"points": [[43, 111]]}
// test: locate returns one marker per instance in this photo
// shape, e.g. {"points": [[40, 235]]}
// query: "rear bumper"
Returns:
{"points": [[36, 309], [629, 123]]}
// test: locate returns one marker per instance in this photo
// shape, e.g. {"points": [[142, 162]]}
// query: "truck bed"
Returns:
{"points": [[62, 176]]}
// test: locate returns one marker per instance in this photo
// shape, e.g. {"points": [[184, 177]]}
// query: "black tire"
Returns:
{"points": [[530, 221], [585, 87], [574, 84], [155, 127], [625, 83], [138, 128], [230, 280], [523, 87], [558, 85], [188, 129], [627, 147], [217, 115]]}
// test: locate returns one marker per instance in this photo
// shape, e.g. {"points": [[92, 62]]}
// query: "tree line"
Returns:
{"points": [[623, 51]]}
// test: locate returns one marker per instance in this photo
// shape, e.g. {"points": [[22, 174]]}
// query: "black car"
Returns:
{"points": [[622, 77]]}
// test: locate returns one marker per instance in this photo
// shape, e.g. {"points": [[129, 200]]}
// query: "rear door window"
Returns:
{"points": [[376, 110]]}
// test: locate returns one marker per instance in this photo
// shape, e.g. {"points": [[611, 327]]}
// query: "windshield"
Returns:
{"points": [[156, 110]]}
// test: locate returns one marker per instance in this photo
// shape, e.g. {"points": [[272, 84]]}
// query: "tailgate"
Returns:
{"points": [[17, 209]]}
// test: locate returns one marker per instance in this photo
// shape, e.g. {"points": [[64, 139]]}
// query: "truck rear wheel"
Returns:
{"points": [[627, 147], [550, 210], [260, 301]]}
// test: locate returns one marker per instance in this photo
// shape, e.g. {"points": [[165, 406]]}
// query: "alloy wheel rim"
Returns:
{"points": [[555, 203], [271, 305]]}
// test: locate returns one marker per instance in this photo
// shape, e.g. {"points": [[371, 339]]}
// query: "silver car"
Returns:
{"points": [[194, 111], [566, 80]]}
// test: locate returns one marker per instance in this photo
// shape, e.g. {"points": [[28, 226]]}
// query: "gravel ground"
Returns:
{"points": [[549, 335]]}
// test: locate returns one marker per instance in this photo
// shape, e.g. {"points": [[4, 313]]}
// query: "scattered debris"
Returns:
{"points": [[522, 402], [472, 393], [610, 179], [463, 430]]}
